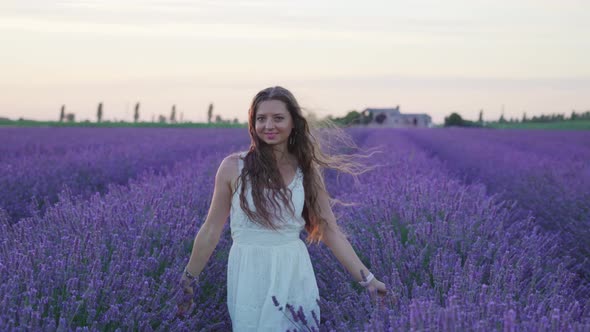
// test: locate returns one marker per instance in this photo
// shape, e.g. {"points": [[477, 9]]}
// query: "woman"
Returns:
{"points": [[274, 191]]}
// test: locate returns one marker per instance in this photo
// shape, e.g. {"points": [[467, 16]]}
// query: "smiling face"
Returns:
{"points": [[273, 122]]}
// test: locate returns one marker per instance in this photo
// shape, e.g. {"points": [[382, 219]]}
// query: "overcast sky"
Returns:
{"points": [[428, 56]]}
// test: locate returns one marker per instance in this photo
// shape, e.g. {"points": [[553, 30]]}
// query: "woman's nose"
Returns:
{"points": [[269, 124]]}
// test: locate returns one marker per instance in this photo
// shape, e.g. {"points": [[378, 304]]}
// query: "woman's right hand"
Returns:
{"points": [[187, 296]]}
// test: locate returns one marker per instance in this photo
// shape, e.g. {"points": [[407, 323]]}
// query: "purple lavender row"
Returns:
{"points": [[559, 144], [21, 142], [458, 259], [554, 186], [29, 183]]}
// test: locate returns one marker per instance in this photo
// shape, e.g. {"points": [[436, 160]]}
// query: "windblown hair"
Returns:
{"points": [[261, 169]]}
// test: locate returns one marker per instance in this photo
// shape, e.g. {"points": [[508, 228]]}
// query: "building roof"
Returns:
{"points": [[395, 111], [388, 110]]}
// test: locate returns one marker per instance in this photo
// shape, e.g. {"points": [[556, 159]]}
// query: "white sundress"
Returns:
{"points": [[264, 263]]}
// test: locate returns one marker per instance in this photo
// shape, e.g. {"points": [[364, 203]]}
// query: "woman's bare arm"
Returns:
{"points": [[341, 248], [208, 236], [337, 241]]}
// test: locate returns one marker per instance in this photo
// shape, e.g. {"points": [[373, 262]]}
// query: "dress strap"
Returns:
{"points": [[241, 157]]}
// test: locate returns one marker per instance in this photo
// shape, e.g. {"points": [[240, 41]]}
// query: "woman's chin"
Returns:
{"points": [[273, 142]]}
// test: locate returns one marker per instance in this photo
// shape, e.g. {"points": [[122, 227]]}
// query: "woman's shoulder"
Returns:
{"points": [[228, 169], [230, 162], [233, 158], [236, 155]]}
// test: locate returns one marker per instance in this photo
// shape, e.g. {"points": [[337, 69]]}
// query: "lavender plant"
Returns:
{"points": [[548, 176]]}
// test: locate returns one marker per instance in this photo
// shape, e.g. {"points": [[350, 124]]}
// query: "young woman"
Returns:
{"points": [[271, 193]]}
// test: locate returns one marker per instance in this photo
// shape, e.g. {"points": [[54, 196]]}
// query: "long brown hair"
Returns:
{"points": [[261, 169]]}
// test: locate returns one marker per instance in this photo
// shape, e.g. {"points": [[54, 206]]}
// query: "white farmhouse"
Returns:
{"points": [[391, 117]]}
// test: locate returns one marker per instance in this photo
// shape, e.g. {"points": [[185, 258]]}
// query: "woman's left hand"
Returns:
{"points": [[385, 297]]}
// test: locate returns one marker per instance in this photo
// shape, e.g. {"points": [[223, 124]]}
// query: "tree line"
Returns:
{"points": [[354, 117], [456, 120], [71, 117]]}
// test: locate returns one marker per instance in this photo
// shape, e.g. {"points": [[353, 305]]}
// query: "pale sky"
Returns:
{"points": [[428, 56]]}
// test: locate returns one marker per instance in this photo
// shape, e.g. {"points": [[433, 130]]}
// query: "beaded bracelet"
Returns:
{"points": [[190, 276], [369, 278]]}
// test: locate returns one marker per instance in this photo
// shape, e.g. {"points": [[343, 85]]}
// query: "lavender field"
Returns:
{"points": [[478, 230]]}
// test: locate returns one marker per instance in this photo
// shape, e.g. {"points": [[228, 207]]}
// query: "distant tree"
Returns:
{"points": [[453, 120], [218, 119], [136, 114], [62, 114], [161, 119], [99, 113], [236, 121], [210, 113], [502, 119], [181, 116], [366, 117], [311, 117], [480, 119], [173, 114], [352, 118], [524, 119], [71, 117]]}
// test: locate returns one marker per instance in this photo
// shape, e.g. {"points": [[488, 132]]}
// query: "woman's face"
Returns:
{"points": [[273, 122]]}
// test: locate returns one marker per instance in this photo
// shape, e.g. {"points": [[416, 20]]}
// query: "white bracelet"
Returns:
{"points": [[369, 278]]}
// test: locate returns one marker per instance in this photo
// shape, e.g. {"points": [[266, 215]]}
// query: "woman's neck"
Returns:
{"points": [[281, 156]]}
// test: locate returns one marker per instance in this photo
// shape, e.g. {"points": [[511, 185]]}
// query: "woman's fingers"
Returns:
{"points": [[372, 292], [182, 309], [382, 296], [381, 288], [377, 297], [186, 299], [185, 303]]}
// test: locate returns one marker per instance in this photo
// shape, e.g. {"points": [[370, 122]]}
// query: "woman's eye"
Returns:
{"points": [[279, 118], [260, 119]]}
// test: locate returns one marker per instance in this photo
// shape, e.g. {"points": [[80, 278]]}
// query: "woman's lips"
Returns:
{"points": [[270, 135]]}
